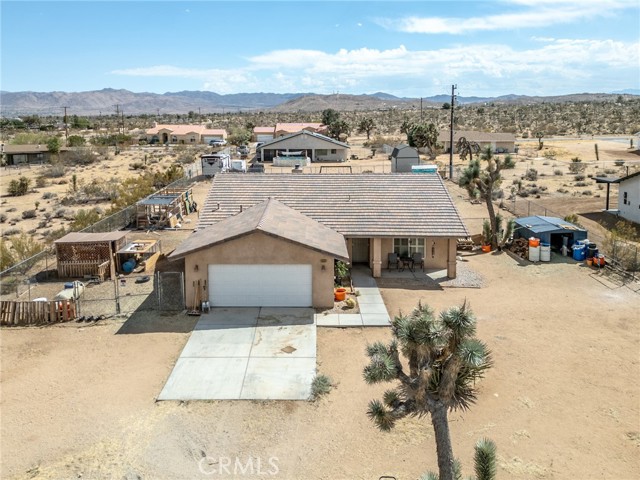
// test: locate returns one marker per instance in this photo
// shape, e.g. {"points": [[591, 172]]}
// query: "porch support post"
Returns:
{"points": [[376, 266], [350, 249], [451, 258]]}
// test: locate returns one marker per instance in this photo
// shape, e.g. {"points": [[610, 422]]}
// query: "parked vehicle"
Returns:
{"points": [[256, 168], [72, 291], [213, 163], [216, 142], [243, 150], [238, 166]]}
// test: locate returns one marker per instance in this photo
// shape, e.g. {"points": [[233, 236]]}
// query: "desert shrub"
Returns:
{"points": [[63, 213], [49, 195], [41, 182], [81, 156], [12, 209], [19, 187], [583, 184], [509, 162], [587, 192], [11, 231], [580, 177], [76, 141], [29, 214], [562, 190], [576, 165], [320, 386], [558, 172], [25, 246], [3, 217], [56, 170], [63, 181], [523, 193], [531, 174], [53, 235], [533, 191], [600, 186], [84, 218], [137, 166], [610, 171], [550, 154], [350, 303]]}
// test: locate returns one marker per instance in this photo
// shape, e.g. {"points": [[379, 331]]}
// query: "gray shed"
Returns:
{"points": [[403, 158]]}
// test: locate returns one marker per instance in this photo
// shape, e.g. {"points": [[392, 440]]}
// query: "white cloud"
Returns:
{"points": [[559, 62], [532, 14]]}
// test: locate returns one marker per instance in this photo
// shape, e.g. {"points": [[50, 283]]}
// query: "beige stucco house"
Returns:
{"points": [[184, 134], [499, 142], [313, 145], [271, 240]]}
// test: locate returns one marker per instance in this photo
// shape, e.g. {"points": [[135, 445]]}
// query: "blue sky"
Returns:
{"points": [[413, 49]]}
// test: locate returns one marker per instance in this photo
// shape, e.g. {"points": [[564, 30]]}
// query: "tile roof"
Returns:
{"points": [[263, 130], [17, 149], [272, 218], [333, 141], [296, 127], [364, 205], [443, 136], [186, 129]]}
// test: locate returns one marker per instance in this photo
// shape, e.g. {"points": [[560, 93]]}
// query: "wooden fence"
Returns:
{"points": [[36, 313]]}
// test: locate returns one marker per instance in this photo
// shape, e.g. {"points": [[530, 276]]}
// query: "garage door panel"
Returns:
{"points": [[260, 285]]}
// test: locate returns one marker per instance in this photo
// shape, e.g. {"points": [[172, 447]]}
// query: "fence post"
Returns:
{"points": [[528, 208], [117, 298]]}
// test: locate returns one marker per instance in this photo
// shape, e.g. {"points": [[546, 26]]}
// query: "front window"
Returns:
{"points": [[322, 151], [405, 247]]}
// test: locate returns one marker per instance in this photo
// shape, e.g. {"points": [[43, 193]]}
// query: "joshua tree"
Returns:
{"points": [[539, 136], [366, 125], [482, 183], [423, 135], [444, 361], [465, 147]]}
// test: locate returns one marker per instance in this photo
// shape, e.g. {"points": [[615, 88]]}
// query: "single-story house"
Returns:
{"points": [[313, 145], [184, 134], [552, 230], [403, 157], [16, 155], [499, 142], [628, 195], [282, 129], [81, 254], [272, 239], [262, 134]]}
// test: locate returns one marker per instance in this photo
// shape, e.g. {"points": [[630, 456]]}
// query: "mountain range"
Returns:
{"points": [[109, 101]]}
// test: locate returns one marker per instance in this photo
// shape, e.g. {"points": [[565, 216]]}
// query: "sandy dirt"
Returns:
{"points": [[562, 401]]}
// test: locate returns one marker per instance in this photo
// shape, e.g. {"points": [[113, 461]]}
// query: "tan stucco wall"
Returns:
{"points": [[261, 249], [440, 253]]}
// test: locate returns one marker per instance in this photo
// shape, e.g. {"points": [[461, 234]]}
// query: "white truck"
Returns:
{"points": [[238, 166], [213, 163]]}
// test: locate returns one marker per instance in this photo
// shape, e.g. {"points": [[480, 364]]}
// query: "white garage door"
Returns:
{"points": [[260, 286], [264, 138]]}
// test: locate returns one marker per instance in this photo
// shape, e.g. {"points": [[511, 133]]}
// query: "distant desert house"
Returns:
{"points": [[18, 155], [283, 129], [637, 135], [262, 134], [184, 134], [499, 142], [315, 146]]}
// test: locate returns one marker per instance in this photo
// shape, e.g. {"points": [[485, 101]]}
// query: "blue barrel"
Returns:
{"points": [[579, 252], [129, 265]]}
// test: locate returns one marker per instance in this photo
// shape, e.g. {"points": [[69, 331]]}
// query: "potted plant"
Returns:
{"points": [[342, 277], [486, 236]]}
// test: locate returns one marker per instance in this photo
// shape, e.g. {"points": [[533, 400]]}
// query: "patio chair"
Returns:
{"points": [[392, 260], [418, 259]]}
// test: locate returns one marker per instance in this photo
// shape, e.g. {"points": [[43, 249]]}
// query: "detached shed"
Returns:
{"points": [[549, 230], [403, 158], [165, 208], [89, 254]]}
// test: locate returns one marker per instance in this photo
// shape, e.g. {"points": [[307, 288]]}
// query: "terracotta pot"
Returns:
{"points": [[486, 248], [340, 294]]}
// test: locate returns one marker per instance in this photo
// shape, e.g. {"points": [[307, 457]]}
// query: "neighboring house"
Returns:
{"points": [[184, 134], [313, 145], [283, 129], [629, 197], [17, 155], [262, 134], [403, 157], [499, 142], [637, 135], [272, 239]]}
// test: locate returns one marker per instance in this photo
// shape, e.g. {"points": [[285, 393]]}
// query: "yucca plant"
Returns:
{"points": [[484, 463], [444, 362]]}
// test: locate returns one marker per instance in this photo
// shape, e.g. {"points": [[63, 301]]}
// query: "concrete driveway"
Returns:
{"points": [[247, 354]]}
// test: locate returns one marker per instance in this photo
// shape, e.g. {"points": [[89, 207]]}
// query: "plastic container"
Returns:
{"points": [[486, 248], [599, 261], [564, 250], [592, 250], [534, 242], [579, 252], [534, 254], [545, 252], [340, 294], [129, 265]]}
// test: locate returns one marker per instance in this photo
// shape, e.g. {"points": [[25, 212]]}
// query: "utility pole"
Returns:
{"points": [[453, 99], [66, 126]]}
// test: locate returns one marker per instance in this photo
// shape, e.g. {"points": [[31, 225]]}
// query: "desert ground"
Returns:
{"points": [[562, 401]]}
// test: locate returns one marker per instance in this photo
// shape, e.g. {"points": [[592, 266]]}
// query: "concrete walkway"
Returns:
{"points": [[373, 312], [247, 354]]}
